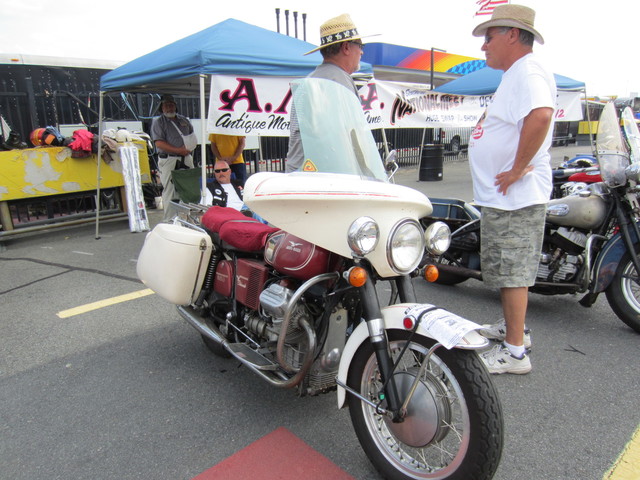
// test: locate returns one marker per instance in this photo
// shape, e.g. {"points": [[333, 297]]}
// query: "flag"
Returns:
{"points": [[487, 6]]}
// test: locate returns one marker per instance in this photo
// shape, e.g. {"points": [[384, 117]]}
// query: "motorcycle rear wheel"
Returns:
{"points": [[623, 294], [454, 427]]}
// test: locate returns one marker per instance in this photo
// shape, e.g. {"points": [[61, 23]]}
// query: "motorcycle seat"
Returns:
{"points": [[233, 230], [246, 235]]}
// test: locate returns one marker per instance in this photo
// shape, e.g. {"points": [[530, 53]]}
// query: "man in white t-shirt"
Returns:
{"points": [[510, 166]]}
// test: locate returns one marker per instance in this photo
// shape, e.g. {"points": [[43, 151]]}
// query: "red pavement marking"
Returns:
{"points": [[279, 455]]}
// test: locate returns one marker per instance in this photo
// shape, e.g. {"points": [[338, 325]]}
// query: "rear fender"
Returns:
{"points": [[393, 317]]}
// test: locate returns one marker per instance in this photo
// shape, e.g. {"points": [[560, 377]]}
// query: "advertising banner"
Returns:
{"points": [[260, 106]]}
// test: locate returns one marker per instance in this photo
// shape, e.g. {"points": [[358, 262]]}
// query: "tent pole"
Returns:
{"points": [[586, 105], [100, 115], [203, 140]]}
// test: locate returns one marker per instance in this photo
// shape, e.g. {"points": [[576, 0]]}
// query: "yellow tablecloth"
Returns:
{"points": [[44, 171]]}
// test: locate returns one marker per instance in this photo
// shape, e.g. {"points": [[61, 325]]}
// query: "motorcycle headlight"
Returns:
{"points": [[405, 247], [437, 237], [363, 235]]}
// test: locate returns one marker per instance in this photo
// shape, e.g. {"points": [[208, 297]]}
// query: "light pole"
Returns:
{"points": [[431, 77]]}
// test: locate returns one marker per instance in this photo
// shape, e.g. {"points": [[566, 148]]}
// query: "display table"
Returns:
{"points": [[48, 171]]}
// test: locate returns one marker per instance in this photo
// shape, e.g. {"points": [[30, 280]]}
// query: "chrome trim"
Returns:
{"points": [[287, 319], [211, 332]]}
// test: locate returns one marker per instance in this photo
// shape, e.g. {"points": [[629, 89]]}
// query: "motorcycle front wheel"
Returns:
{"points": [[453, 428], [623, 294]]}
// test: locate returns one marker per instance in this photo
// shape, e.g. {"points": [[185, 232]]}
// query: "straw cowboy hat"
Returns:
{"points": [[517, 16], [337, 30]]}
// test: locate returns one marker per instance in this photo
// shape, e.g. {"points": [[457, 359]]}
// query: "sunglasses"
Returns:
{"points": [[221, 170], [360, 44]]}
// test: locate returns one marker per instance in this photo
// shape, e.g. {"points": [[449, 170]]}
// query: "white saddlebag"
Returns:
{"points": [[173, 262]]}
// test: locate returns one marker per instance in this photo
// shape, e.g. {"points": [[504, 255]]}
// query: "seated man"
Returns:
{"points": [[226, 192]]}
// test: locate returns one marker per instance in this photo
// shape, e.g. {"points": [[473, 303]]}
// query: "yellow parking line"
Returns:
{"points": [[104, 303], [627, 467]]}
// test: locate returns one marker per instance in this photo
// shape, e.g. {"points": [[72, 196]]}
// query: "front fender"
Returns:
{"points": [[608, 259], [393, 316]]}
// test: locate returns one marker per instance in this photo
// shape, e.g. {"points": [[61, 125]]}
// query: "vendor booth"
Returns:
{"points": [[53, 173]]}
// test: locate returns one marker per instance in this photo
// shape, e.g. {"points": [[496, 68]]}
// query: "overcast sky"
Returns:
{"points": [[595, 42]]}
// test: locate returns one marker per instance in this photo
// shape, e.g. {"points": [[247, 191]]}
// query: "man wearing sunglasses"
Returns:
{"points": [[225, 192]]}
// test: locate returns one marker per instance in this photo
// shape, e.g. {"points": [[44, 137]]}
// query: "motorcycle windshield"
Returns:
{"points": [[632, 133], [612, 153], [335, 135]]}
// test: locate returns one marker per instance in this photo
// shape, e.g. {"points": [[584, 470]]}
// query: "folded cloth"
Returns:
{"points": [[82, 140]]}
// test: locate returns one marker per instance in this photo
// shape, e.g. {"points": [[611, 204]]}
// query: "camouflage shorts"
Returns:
{"points": [[510, 247]]}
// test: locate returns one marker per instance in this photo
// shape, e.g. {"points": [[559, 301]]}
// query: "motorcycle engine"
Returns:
{"points": [[562, 256], [267, 326]]}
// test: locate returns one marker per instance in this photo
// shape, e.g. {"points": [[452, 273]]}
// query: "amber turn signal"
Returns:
{"points": [[357, 276], [431, 273]]}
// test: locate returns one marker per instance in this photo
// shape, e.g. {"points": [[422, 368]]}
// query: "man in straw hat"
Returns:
{"points": [[341, 48], [510, 166]]}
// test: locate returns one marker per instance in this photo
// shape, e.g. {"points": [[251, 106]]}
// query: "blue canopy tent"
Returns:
{"points": [[230, 47], [485, 81]]}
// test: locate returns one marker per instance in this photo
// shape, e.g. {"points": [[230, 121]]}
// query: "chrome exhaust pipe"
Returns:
{"points": [[212, 333]]}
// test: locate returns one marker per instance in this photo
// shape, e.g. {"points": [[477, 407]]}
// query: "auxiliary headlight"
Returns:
{"points": [[363, 235], [405, 247], [437, 237]]}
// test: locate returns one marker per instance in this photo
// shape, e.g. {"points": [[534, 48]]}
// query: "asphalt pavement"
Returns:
{"points": [[122, 388]]}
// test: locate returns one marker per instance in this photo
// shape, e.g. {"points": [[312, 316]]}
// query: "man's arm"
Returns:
{"points": [[167, 147], [241, 143], [534, 130]]}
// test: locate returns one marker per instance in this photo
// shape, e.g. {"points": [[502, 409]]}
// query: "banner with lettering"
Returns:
{"points": [[407, 105], [246, 106], [404, 105], [260, 106]]}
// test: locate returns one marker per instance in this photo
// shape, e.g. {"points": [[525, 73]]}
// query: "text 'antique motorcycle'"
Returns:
{"points": [[591, 240], [295, 301]]}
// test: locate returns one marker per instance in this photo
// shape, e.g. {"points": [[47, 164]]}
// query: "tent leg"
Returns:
{"points": [[100, 115], [203, 141]]}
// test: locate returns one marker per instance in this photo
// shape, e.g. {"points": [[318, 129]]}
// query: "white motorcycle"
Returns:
{"points": [[296, 301]]}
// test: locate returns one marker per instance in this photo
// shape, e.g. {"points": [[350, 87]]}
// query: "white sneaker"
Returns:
{"points": [[499, 360], [498, 332]]}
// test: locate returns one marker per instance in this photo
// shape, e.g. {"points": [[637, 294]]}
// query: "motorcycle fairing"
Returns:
{"points": [[343, 177], [393, 317], [320, 208]]}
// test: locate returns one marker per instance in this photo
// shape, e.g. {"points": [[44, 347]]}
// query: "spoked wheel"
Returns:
{"points": [[453, 428], [623, 293]]}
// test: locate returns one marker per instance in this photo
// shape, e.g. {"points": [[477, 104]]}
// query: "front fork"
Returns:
{"points": [[379, 341]]}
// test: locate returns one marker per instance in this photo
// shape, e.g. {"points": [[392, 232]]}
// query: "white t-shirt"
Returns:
{"points": [[233, 200], [527, 85]]}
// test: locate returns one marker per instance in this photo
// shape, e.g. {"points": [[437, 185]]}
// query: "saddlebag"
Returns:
{"points": [[173, 262]]}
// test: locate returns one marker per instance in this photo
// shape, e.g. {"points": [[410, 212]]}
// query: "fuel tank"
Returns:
{"points": [[586, 211]]}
